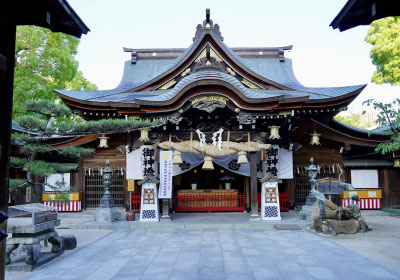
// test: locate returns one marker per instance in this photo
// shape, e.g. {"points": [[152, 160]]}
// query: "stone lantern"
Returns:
{"points": [[107, 212]]}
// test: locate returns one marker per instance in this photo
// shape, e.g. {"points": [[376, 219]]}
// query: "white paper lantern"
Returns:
{"points": [[315, 139], [144, 135]]}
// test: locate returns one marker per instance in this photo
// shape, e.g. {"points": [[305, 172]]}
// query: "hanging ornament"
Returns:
{"points": [[333, 168], [396, 162], [315, 138], [89, 171], [101, 171], [177, 159], [274, 132], [103, 141], [144, 135], [242, 158], [208, 164], [122, 171]]}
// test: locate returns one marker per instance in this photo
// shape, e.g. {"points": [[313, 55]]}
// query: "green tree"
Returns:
{"points": [[384, 36], [354, 119], [44, 61], [43, 121]]}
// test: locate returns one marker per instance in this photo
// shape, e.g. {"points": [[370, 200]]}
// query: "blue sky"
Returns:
{"points": [[321, 56]]}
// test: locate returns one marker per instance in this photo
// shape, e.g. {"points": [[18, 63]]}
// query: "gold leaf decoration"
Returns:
{"points": [[184, 73], [249, 84], [168, 84], [230, 71]]}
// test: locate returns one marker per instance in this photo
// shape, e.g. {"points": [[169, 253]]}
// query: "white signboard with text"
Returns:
{"points": [[270, 209], [165, 174], [149, 203]]}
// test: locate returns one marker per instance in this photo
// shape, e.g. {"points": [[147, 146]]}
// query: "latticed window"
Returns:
{"points": [[94, 187]]}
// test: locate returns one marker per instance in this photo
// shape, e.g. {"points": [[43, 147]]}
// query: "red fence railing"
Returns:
{"points": [[135, 202], [209, 202], [283, 201]]}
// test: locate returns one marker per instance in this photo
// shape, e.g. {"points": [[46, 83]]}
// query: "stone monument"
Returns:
{"points": [[107, 212]]}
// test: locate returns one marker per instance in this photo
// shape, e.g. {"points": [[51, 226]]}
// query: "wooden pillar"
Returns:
{"points": [[247, 193], [290, 184], [253, 184], [7, 56], [386, 193], [81, 182]]}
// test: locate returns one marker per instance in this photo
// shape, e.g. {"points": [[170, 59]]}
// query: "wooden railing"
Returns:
{"points": [[209, 202], [283, 201]]}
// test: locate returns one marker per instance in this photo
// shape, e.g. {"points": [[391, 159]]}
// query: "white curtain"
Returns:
{"points": [[365, 178]]}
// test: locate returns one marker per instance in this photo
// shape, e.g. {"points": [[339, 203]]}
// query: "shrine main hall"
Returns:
{"points": [[228, 118]]}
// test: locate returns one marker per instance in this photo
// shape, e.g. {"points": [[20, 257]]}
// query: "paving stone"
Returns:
{"points": [[239, 276], [320, 272], [183, 276]]}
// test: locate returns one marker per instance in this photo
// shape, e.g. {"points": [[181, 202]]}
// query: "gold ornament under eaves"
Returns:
{"points": [[168, 84], [249, 84], [209, 98]]}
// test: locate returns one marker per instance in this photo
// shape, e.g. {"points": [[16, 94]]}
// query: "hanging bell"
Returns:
{"points": [[177, 159], [274, 132], [208, 164], [242, 158], [144, 135]]}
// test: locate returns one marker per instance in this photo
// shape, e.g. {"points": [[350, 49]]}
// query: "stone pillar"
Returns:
{"points": [[253, 186], [165, 210]]}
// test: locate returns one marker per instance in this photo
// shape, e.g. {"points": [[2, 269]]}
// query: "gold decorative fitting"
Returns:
{"points": [[168, 84], [204, 54], [208, 25], [230, 71], [249, 84], [103, 141], [237, 110], [180, 111], [201, 55], [274, 132], [209, 98], [154, 54], [208, 62], [184, 73], [215, 55], [396, 162]]}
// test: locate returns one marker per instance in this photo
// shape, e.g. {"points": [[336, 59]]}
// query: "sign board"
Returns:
{"points": [[28, 194], [141, 163], [270, 209], [149, 203], [165, 174], [131, 185], [329, 186]]}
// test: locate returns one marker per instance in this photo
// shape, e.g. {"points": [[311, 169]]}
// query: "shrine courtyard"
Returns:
{"points": [[224, 250]]}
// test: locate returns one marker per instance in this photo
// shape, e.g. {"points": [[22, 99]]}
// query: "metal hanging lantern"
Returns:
{"points": [[177, 159], [274, 132], [315, 138], [208, 164], [396, 162], [103, 141], [242, 158], [144, 135]]}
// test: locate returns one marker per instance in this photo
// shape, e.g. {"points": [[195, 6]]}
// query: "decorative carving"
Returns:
{"points": [[175, 118], [167, 85], [208, 58], [208, 106], [244, 118], [249, 84]]}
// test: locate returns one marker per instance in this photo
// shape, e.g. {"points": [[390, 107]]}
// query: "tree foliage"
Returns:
{"points": [[44, 61], [354, 119], [389, 119], [384, 36]]}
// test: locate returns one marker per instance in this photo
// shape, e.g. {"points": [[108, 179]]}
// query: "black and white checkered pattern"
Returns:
{"points": [[149, 214], [271, 211]]}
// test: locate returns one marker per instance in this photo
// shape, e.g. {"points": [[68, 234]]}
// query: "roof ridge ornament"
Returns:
{"points": [[208, 25]]}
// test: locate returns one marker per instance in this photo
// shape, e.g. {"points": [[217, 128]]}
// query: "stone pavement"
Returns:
{"points": [[212, 253]]}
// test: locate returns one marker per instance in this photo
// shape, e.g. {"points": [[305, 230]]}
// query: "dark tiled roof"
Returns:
{"points": [[270, 68]]}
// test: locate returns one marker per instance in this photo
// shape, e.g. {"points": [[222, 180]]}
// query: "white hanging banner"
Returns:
{"points": [[278, 162], [141, 163], [165, 190]]}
